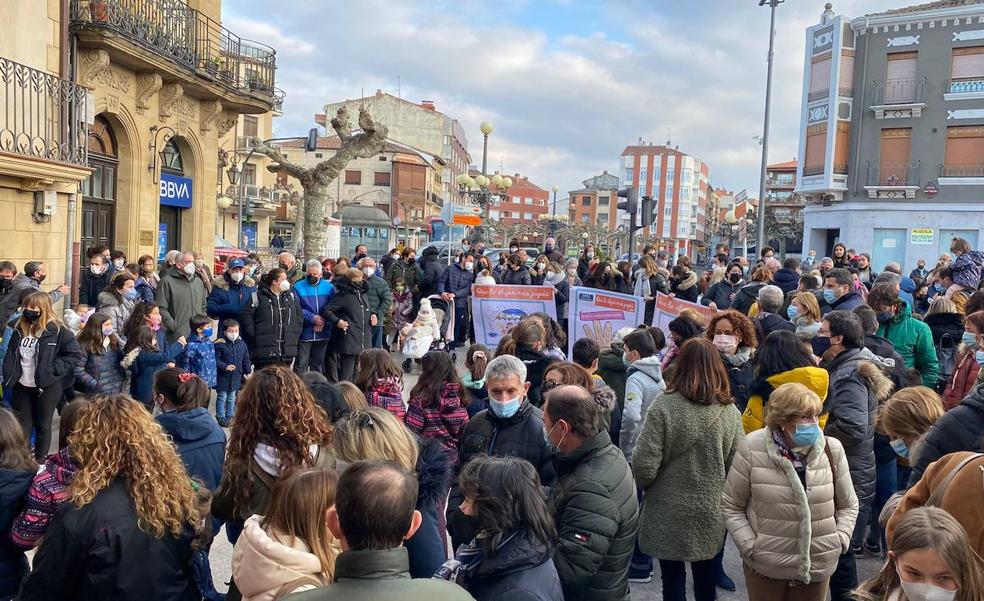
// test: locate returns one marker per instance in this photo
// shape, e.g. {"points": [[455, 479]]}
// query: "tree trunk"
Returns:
{"points": [[315, 228], [297, 240], [782, 248]]}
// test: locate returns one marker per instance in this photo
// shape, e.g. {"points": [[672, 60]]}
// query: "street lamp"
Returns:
{"points": [[729, 227], [223, 202], [477, 189], [760, 232]]}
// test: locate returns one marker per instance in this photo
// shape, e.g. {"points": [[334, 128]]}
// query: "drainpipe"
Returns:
{"points": [[72, 247]]}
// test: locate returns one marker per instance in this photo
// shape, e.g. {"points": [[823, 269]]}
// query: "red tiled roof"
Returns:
{"points": [[786, 165], [635, 149], [928, 6]]}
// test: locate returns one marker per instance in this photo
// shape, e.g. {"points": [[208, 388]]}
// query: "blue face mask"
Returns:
{"points": [[829, 296], [207, 332], [792, 312], [505, 409], [806, 434], [901, 449], [625, 359], [979, 356], [131, 294], [969, 339]]}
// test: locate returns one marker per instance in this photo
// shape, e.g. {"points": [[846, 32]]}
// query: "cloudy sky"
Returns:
{"points": [[567, 83]]}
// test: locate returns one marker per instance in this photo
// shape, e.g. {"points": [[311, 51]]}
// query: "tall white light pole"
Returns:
{"points": [[760, 226]]}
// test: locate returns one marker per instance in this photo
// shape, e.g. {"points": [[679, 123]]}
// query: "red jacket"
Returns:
{"points": [[387, 393], [443, 420], [963, 379]]}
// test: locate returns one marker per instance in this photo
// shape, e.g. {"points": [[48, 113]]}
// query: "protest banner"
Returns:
{"points": [[598, 314], [669, 307], [497, 309]]}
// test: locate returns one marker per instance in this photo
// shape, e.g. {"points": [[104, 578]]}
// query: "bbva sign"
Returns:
{"points": [[176, 191]]}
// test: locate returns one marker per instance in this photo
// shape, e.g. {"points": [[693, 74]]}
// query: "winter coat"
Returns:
{"points": [[97, 551], [443, 421], [428, 546], [518, 569], [914, 341], [198, 357], [518, 277], [814, 378], [180, 299], [458, 281], [117, 311], [536, 367], [597, 520], [849, 302], [610, 419], [349, 304], [143, 364], [271, 325], [312, 299], [378, 575], [786, 279], [767, 323], [685, 288], [57, 356], [962, 498], [90, 287], [643, 385], [783, 530], [14, 486], [402, 310], [683, 455], [746, 297], [265, 560], [967, 269], [387, 393], [48, 491], [945, 323], [583, 267], [431, 270], [145, 290], [231, 353], [741, 375], [100, 373], [721, 294], [963, 380], [227, 298], [856, 387], [959, 429], [409, 272], [200, 442], [614, 372], [562, 295], [380, 298]]}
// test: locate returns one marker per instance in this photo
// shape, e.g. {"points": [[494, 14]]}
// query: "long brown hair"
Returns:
{"points": [[297, 509], [703, 380], [91, 336], [526, 335], [275, 408], [183, 389], [374, 365], [42, 302], [569, 373], [440, 371], [14, 452]]}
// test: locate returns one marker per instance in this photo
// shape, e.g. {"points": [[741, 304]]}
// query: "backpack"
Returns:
{"points": [[946, 355]]}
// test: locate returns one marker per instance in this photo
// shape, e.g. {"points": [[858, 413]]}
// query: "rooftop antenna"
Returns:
{"points": [[398, 89], [669, 136]]}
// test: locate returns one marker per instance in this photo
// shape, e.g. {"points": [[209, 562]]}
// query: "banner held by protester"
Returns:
{"points": [[497, 309], [669, 308], [598, 314]]}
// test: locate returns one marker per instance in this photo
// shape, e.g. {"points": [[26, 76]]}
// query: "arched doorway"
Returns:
{"points": [[99, 190], [175, 198]]}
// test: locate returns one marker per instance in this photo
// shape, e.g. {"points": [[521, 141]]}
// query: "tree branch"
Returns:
{"points": [[340, 123], [364, 144], [283, 164]]}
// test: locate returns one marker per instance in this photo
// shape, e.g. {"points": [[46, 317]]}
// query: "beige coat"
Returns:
{"points": [[263, 562], [782, 531]]}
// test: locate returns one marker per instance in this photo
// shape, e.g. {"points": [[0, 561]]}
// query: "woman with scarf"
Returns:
{"points": [[603, 278], [683, 283], [734, 336]]}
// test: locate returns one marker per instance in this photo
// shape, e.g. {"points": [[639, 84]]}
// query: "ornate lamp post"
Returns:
{"points": [[477, 190], [223, 202], [730, 227]]}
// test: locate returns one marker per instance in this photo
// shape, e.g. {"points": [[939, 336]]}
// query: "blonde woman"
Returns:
{"points": [[127, 531], [376, 434], [804, 313], [788, 501], [907, 416], [289, 549], [41, 352]]}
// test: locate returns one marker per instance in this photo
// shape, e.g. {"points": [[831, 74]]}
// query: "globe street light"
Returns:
{"points": [[478, 191], [729, 227]]}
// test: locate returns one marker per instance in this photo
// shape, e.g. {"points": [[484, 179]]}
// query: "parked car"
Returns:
{"points": [[225, 251]]}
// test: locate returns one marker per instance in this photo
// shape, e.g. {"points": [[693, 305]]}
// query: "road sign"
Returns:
{"points": [[472, 220]]}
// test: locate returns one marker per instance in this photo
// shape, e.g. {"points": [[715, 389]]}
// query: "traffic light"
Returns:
{"points": [[648, 209], [631, 204]]}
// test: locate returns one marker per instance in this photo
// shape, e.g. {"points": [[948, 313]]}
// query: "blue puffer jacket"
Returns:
{"points": [[312, 300], [143, 364], [200, 442], [199, 358], [101, 373], [457, 281], [231, 353], [227, 298], [145, 290]]}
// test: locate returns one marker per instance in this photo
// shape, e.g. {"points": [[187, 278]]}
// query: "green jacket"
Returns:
{"points": [[380, 298], [914, 341], [180, 299], [378, 576], [680, 463], [411, 274], [597, 514]]}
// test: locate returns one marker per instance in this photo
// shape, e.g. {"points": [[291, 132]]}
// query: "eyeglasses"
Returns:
{"points": [[361, 419], [550, 385]]}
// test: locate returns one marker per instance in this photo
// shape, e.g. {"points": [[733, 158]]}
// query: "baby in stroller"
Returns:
{"points": [[429, 331]]}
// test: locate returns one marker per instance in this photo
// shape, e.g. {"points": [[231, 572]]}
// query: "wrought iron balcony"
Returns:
{"points": [[966, 170], [187, 37], [900, 91], [893, 175], [965, 86], [41, 115]]}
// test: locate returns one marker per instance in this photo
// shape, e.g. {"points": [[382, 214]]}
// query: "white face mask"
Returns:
{"points": [[924, 591], [469, 265], [394, 256], [590, 255], [725, 343], [237, 276], [96, 269], [572, 271], [232, 336], [367, 270], [189, 268], [118, 263], [284, 285]]}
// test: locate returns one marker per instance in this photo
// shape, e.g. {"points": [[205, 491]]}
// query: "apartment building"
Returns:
{"points": [[525, 202], [783, 202], [596, 202]]}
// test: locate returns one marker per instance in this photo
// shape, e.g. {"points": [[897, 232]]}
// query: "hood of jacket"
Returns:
{"points": [[611, 360], [343, 285], [224, 282], [907, 284], [814, 378], [785, 276], [752, 289], [649, 366], [975, 400], [13, 485], [107, 299], [518, 553], [688, 281], [450, 397], [430, 251], [555, 278], [433, 471], [871, 369], [944, 320], [61, 466], [263, 562], [603, 394], [196, 427], [471, 383], [904, 312]]}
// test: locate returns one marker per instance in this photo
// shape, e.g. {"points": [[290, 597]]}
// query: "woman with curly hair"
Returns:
{"points": [[734, 336], [278, 429], [127, 531]]}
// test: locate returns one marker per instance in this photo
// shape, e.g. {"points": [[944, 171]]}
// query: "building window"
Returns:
{"points": [[686, 175], [585, 218], [603, 201], [896, 144], [628, 175], [667, 211], [643, 177], [816, 149], [528, 200], [669, 193], [670, 174], [353, 177], [382, 157], [585, 201], [318, 155], [492, 213], [967, 65], [506, 214], [517, 200], [685, 193], [820, 78], [249, 174], [381, 178], [417, 180], [900, 77], [964, 152], [603, 218], [527, 215], [250, 126], [540, 202]]}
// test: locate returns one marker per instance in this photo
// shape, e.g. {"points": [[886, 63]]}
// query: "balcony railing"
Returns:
{"points": [[965, 86], [818, 94], [41, 115], [968, 170], [900, 91], [893, 175], [186, 37]]}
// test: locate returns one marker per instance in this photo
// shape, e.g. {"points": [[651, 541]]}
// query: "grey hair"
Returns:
{"points": [[505, 366], [770, 299], [313, 263], [287, 254], [826, 260], [172, 257], [570, 263], [363, 260], [888, 277], [893, 267]]}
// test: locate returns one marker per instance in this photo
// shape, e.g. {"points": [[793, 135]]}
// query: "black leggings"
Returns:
{"points": [[34, 408]]}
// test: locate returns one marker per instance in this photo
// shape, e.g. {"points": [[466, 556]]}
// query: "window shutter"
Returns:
{"points": [[965, 146], [968, 63], [820, 76]]}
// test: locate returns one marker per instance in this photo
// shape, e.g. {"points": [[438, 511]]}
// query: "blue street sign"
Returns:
{"points": [[176, 191]]}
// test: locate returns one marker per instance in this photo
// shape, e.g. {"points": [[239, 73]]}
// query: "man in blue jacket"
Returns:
{"points": [[314, 293], [455, 285], [230, 291]]}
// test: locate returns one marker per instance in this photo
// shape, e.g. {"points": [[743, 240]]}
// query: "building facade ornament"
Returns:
{"points": [[170, 95], [148, 84], [210, 112], [97, 70]]}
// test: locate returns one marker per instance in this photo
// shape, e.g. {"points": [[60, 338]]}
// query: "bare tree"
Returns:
{"points": [[311, 222]]}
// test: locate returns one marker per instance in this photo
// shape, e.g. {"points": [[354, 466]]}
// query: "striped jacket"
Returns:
{"points": [[443, 420], [47, 493]]}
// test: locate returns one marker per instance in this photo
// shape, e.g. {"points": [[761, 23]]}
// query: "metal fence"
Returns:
{"points": [[900, 91], [889, 174]]}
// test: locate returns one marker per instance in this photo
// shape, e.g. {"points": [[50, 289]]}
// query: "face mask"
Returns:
{"points": [[284, 285], [806, 435], [39, 277], [546, 439], [550, 274], [31, 315], [96, 269], [505, 409], [207, 332], [725, 343], [147, 268], [734, 278], [548, 248], [979, 356], [792, 312], [411, 260], [232, 336], [284, 266], [829, 295], [394, 256], [118, 263], [821, 344], [513, 249], [367, 270], [625, 359], [590, 255], [237, 276], [884, 316], [131, 294], [969, 339], [540, 266], [901, 449], [469, 265], [572, 272], [155, 322], [189, 268], [924, 591], [107, 331], [401, 288], [313, 280]]}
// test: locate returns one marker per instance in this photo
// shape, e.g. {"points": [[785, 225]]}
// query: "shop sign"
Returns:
{"points": [[176, 191]]}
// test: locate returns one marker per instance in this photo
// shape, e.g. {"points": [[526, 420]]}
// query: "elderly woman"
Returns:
{"points": [[788, 501]]}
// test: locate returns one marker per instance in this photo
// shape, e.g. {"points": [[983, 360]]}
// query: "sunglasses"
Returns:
{"points": [[549, 385]]}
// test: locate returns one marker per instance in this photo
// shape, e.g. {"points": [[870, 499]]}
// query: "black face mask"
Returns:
{"points": [[821, 344], [313, 280], [734, 278], [5, 285], [411, 260], [31, 315], [284, 267], [40, 278]]}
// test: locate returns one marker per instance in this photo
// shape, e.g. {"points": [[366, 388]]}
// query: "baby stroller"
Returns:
{"points": [[444, 310], [419, 340]]}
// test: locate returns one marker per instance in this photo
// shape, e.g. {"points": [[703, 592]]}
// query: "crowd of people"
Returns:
{"points": [[823, 413]]}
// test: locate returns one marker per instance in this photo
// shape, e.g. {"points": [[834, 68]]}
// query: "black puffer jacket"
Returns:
{"points": [[536, 367], [720, 294], [856, 388], [945, 323], [426, 546], [351, 304], [271, 325], [746, 297], [597, 520], [520, 569], [960, 429], [432, 270], [57, 355]]}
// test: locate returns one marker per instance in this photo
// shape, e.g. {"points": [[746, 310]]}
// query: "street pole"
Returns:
{"points": [[760, 226], [553, 216]]}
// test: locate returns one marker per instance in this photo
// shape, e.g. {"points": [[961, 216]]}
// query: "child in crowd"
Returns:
{"points": [[100, 371], [966, 267], [201, 567], [145, 355], [75, 318], [382, 382], [556, 339], [199, 354], [476, 359], [353, 397], [402, 310], [437, 403], [232, 364]]}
